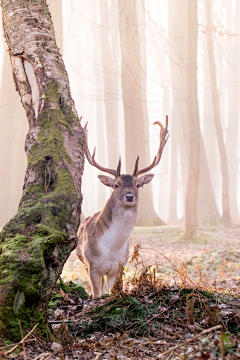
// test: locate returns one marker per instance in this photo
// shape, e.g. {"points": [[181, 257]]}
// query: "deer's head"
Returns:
{"points": [[126, 186]]}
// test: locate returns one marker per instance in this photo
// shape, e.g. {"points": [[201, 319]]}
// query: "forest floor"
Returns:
{"points": [[213, 258], [180, 300]]}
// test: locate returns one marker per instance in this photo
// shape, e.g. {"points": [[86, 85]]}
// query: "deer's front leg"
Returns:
{"points": [[110, 281], [95, 280]]}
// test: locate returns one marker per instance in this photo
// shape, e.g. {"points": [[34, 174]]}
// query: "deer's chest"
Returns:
{"points": [[114, 244]]}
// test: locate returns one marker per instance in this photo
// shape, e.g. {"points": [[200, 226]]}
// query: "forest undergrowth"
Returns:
{"points": [[187, 308]]}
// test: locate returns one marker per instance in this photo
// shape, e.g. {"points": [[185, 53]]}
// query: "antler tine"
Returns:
{"points": [[92, 161], [163, 139], [136, 167], [119, 167]]}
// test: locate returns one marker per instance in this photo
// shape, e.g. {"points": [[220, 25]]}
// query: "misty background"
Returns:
{"points": [[127, 63]]}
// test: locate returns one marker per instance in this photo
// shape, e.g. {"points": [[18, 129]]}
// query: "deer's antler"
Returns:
{"points": [[92, 161], [163, 139]]}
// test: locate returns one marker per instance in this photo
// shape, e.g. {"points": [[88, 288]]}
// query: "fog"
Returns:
{"points": [[128, 66]]}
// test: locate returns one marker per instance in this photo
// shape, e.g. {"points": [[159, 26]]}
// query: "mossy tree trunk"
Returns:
{"points": [[36, 242]]}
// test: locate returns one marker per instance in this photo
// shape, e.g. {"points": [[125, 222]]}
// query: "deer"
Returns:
{"points": [[103, 238]]}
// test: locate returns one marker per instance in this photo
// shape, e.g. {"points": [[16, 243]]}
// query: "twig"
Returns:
{"points": [[23, 345], [9, 345], [97, 357], [143, 343], [174, 266], [15, 347], [42, 356], [189, 341], [222, 345]]}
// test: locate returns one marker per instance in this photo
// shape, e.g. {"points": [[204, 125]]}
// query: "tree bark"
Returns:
{"points": [[136, 126], [36, 242], [216, 112], [12, 116], [194, 129]]}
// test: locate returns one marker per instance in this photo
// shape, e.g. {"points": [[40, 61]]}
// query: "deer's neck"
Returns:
{"points": [[115, 217]]}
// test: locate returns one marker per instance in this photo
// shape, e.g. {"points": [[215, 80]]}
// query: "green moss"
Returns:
{"points": [[38, 235], [50, 140], [64, 182], [117, 315], [72, 288], [51, 93]]}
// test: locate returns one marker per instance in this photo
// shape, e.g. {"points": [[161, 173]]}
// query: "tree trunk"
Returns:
{"points": [[136, 126], [194, 129], [233, 117], [216, 113], [178, 25], [206, 204], [12, 116], [108, 87], [207, 210], [100, 129], [36, 242]]}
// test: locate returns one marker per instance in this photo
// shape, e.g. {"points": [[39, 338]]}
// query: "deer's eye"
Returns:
{"points": [[116, 186], [138, 185]]}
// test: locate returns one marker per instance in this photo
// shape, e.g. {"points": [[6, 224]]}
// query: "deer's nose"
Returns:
{"points": [[129, 197]]}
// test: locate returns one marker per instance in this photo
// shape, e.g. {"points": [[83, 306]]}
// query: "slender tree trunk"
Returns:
{"points": [[194, 146], [233, 117], [36, 242], [108, 87], [136, 134], [206, 204], [207, 210], [178, 25], [101, 136], [217, 120]]}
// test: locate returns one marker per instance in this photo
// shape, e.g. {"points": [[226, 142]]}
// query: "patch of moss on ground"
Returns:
{"points": [[148, 314], [126, 313], [69, 288], [72, 288]]}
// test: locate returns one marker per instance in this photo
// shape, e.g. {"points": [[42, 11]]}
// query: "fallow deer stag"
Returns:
{"points": [[103, 238]]}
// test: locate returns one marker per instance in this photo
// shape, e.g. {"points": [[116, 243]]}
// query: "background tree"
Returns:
{"points": [[194, 129], [108, 87], [178, 48], [217, 121], [136, 125], [36, 242], [233, 49]]}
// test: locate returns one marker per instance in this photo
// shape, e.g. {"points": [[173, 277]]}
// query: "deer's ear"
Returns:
{"points": [[106, 180], [145, 179]]}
